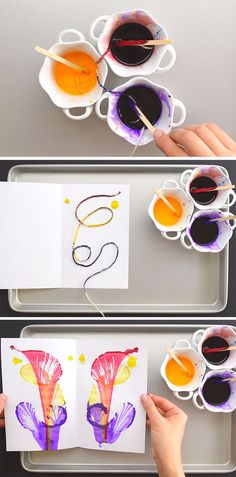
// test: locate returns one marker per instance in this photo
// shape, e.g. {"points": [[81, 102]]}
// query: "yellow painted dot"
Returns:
{"points": [[71, 358], [115, 204], [82, 358], [132, 362], [67, 201], [16, 360]]}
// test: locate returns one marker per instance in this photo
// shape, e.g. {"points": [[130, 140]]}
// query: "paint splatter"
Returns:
{"points": [[16, 360], [67, 201], [115, 204], [82, 358], [70, 358], [132, 362], [43, 371], [107, 371]]}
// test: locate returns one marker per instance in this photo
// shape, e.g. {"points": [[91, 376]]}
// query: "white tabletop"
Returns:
{"points": [[204, 76]]}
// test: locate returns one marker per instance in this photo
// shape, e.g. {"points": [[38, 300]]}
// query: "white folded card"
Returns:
{"points": [[74, 393], [38, 224]]}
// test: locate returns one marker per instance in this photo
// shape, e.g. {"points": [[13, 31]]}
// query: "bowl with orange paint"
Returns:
{"points": [[67, 87], [183, 383], [171, 223]]}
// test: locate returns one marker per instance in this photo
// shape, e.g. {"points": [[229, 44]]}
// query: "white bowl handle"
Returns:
{"points": [[170, 181], [184, 343], [196, 335], [77, 33], [195, 402], [183, 398], [171, 237], [102, 18], [234, 221], [182, 240], [188, 172], [180, 105], [232, 193], [163, 69], [79, 117], [98, 106]]}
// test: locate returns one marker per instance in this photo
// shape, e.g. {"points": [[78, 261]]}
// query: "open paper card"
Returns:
{"points": [[64, 235], [74, 393]]}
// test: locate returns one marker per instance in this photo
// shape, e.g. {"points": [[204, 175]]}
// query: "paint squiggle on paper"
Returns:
{"points": [[44, 371], [108, 371]]}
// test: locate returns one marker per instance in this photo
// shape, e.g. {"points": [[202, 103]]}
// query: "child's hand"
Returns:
{"points": [[167, 423], [201, 140], [3, 399]]}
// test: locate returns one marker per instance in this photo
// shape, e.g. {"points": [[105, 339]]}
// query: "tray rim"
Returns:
{"points": [[13, 293], [25, 456]]}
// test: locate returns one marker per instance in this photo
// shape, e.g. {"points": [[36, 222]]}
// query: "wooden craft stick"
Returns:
{"points": [[227, 379], [177, 360], [58, 58], [167, 202], [145, 120], [143, 42], [218, 350], [222, 219], [209, 189]]}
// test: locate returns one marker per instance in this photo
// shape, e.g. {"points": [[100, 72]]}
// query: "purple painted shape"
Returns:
{"points": [[111, 432], [47, 437]]}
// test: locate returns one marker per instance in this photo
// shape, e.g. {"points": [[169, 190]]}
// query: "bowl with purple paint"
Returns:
{"points": [[156, 102], [213, 343], [217, 392], [200, 183], [135, 60], [206, 233]]}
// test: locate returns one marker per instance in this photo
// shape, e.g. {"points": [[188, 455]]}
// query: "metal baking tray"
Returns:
{"points": [[215, 453], [163, 276]]}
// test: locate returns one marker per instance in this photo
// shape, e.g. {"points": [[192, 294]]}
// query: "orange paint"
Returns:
{"points": [[176, 375], [76, 82], [164, 215]]}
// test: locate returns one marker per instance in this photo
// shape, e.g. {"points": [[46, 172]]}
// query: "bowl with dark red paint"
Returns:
{"points": [[203, 234], [216, 337], [156, 102], [215, 394], [132, 25], [205, 177]]}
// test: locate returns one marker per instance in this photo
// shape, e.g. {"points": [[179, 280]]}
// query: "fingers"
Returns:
{"points": [[3, 399], [209, 138], [163, 403], [226, 140], [167, 145], [150, 408], [191, 142]]}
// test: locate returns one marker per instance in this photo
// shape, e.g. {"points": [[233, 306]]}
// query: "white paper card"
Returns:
{"points": [[38, 225]]}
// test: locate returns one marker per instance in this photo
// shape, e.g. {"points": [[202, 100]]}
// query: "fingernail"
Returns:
{"points": [[158, 133], [144, 397], [3, 396]]}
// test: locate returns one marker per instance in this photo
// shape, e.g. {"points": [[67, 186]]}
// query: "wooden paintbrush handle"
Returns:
{"points": [[58, 58]]}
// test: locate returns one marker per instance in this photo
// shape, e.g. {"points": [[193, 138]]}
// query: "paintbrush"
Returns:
{"points": [[227, 379], [223, 219], [167, 202], [59, 59], [143, 42], [141, 115], [212, 189], [177, 360], [218, 350]]}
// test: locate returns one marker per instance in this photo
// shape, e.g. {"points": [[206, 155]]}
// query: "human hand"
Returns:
{"points": [[197, 140], [167, 423], [3, 399]]}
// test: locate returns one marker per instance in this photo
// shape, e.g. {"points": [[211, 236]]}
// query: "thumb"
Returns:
{"points": [[3, 399], [150, 409]]}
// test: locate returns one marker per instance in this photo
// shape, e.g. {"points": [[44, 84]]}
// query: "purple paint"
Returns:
{"points": [[46, 436]]}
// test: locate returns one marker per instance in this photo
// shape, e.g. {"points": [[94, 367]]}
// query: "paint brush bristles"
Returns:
{"points": [[60, 59], [167, 202], [177, 360]]}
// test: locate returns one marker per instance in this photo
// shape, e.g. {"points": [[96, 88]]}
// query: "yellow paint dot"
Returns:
{"points": [[115, 204], [67, 201], [82, 358], [132, 362], [71, 358], [16, 360]]}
